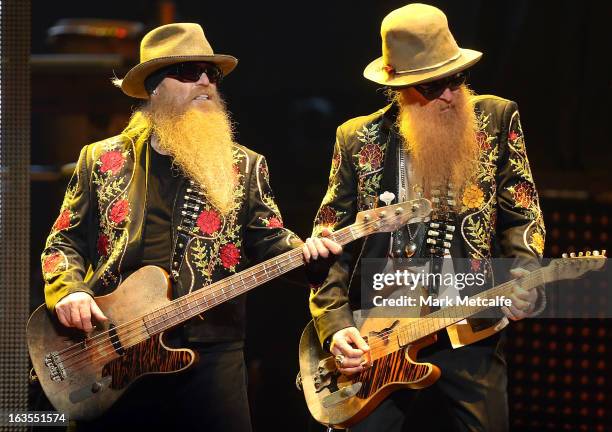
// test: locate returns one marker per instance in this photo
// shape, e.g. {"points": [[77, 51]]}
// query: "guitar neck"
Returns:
{"points": [[197, 302], [442, 318]]}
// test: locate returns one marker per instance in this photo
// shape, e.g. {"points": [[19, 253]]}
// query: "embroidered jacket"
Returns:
{"points": [[96, 240], [499, 212]]}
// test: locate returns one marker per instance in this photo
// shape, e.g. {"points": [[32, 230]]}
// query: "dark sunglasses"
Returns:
{"points": [[191, 72], [433, 90]]}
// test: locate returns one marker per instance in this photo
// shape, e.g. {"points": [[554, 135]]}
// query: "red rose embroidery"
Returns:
{"points": [[102, 245], [209, 222], [230, 255], [513, 136], [523, 194], [112, 161], [370, 157], [120, 211], [275, 222], [62, 221], [481, 139], [51, 262]]}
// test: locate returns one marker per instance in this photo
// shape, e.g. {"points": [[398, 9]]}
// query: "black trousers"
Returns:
{"points": [[469, 396], [210, 396]]}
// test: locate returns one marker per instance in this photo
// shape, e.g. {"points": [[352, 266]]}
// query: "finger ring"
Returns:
{"points": [[339, 360]]}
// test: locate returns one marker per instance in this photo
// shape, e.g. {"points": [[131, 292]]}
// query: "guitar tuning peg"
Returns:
{"points": [[572, 255], [580, 254], [595, 253], [588, 253], [387, 197], [603, 252], [564, 255]]}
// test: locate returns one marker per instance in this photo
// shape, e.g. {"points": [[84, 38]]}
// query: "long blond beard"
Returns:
{"points": [[201, 146], [442, 145]]}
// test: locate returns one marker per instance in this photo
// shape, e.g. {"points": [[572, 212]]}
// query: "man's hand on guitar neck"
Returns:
{"points": [[349, 347], [76, 310], [320, 246], [523, 301]]}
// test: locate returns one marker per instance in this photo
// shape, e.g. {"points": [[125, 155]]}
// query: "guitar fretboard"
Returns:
{"points": [[442, 318]]}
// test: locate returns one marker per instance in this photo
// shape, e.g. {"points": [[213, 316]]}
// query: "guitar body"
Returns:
{"points": [[88, 382], [342, 401]]}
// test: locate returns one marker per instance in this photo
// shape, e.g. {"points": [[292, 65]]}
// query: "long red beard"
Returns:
{"points": [[201, 145], [442, 145]]}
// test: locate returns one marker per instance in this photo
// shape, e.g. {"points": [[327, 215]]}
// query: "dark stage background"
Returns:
{"points": [[299, 76]]}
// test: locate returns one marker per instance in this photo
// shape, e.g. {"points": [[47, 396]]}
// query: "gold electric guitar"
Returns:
{"points": [[338, 400], [83, 375]]}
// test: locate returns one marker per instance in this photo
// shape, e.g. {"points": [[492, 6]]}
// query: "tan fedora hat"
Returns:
{"points": [[170, 44], [417, 47]]}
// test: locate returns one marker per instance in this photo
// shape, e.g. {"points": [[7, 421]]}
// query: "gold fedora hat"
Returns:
{"points": [[417, 47], [170, 44]]}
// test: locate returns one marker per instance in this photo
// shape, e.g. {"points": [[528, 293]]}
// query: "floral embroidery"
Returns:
{"points": [[537, 242], [523, 194], [336, 161], [113, 206], [370, 157], [368, 162], [473, 196], [230, 256], [120, 211], [112, 161], [326, 217], [478, 202], [63, 220], [209, 222], [483, 143], [223, 250], [263, 183], [51, 263], [273, 222], [102, 245]]}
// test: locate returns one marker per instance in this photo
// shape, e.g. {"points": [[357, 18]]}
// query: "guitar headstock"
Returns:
{"points": [[393, 217], [573, 266]]}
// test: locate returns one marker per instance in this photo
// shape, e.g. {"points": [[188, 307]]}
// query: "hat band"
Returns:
{"points": [[437, 65]]}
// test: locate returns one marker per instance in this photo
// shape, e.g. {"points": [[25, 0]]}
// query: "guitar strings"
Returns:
{"points": [[126, 328], [422, 323], [128, 335]]}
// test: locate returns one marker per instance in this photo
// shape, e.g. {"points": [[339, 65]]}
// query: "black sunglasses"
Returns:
{"points": [[191, 72], [433, 90]]}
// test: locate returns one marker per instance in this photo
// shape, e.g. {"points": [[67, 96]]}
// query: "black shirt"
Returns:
{"points": [[162, 188]]}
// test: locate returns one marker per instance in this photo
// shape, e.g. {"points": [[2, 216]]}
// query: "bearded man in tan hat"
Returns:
{"points": [[466, 153], [172, 190]]}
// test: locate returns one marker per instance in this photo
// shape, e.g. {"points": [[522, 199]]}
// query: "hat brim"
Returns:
{"points": [[132, 83], [374, 71]]}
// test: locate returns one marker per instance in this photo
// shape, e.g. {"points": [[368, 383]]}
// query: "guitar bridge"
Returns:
{"points": [[57, 372]]}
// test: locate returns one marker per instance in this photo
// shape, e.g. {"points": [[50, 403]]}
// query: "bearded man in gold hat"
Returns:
{"points": [[437, 140], [172, 190]]}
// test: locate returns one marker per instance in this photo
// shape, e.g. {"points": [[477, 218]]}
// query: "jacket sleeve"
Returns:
{"points": [[265, 235], [329, 303], [520, 226], [65, 256]]}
